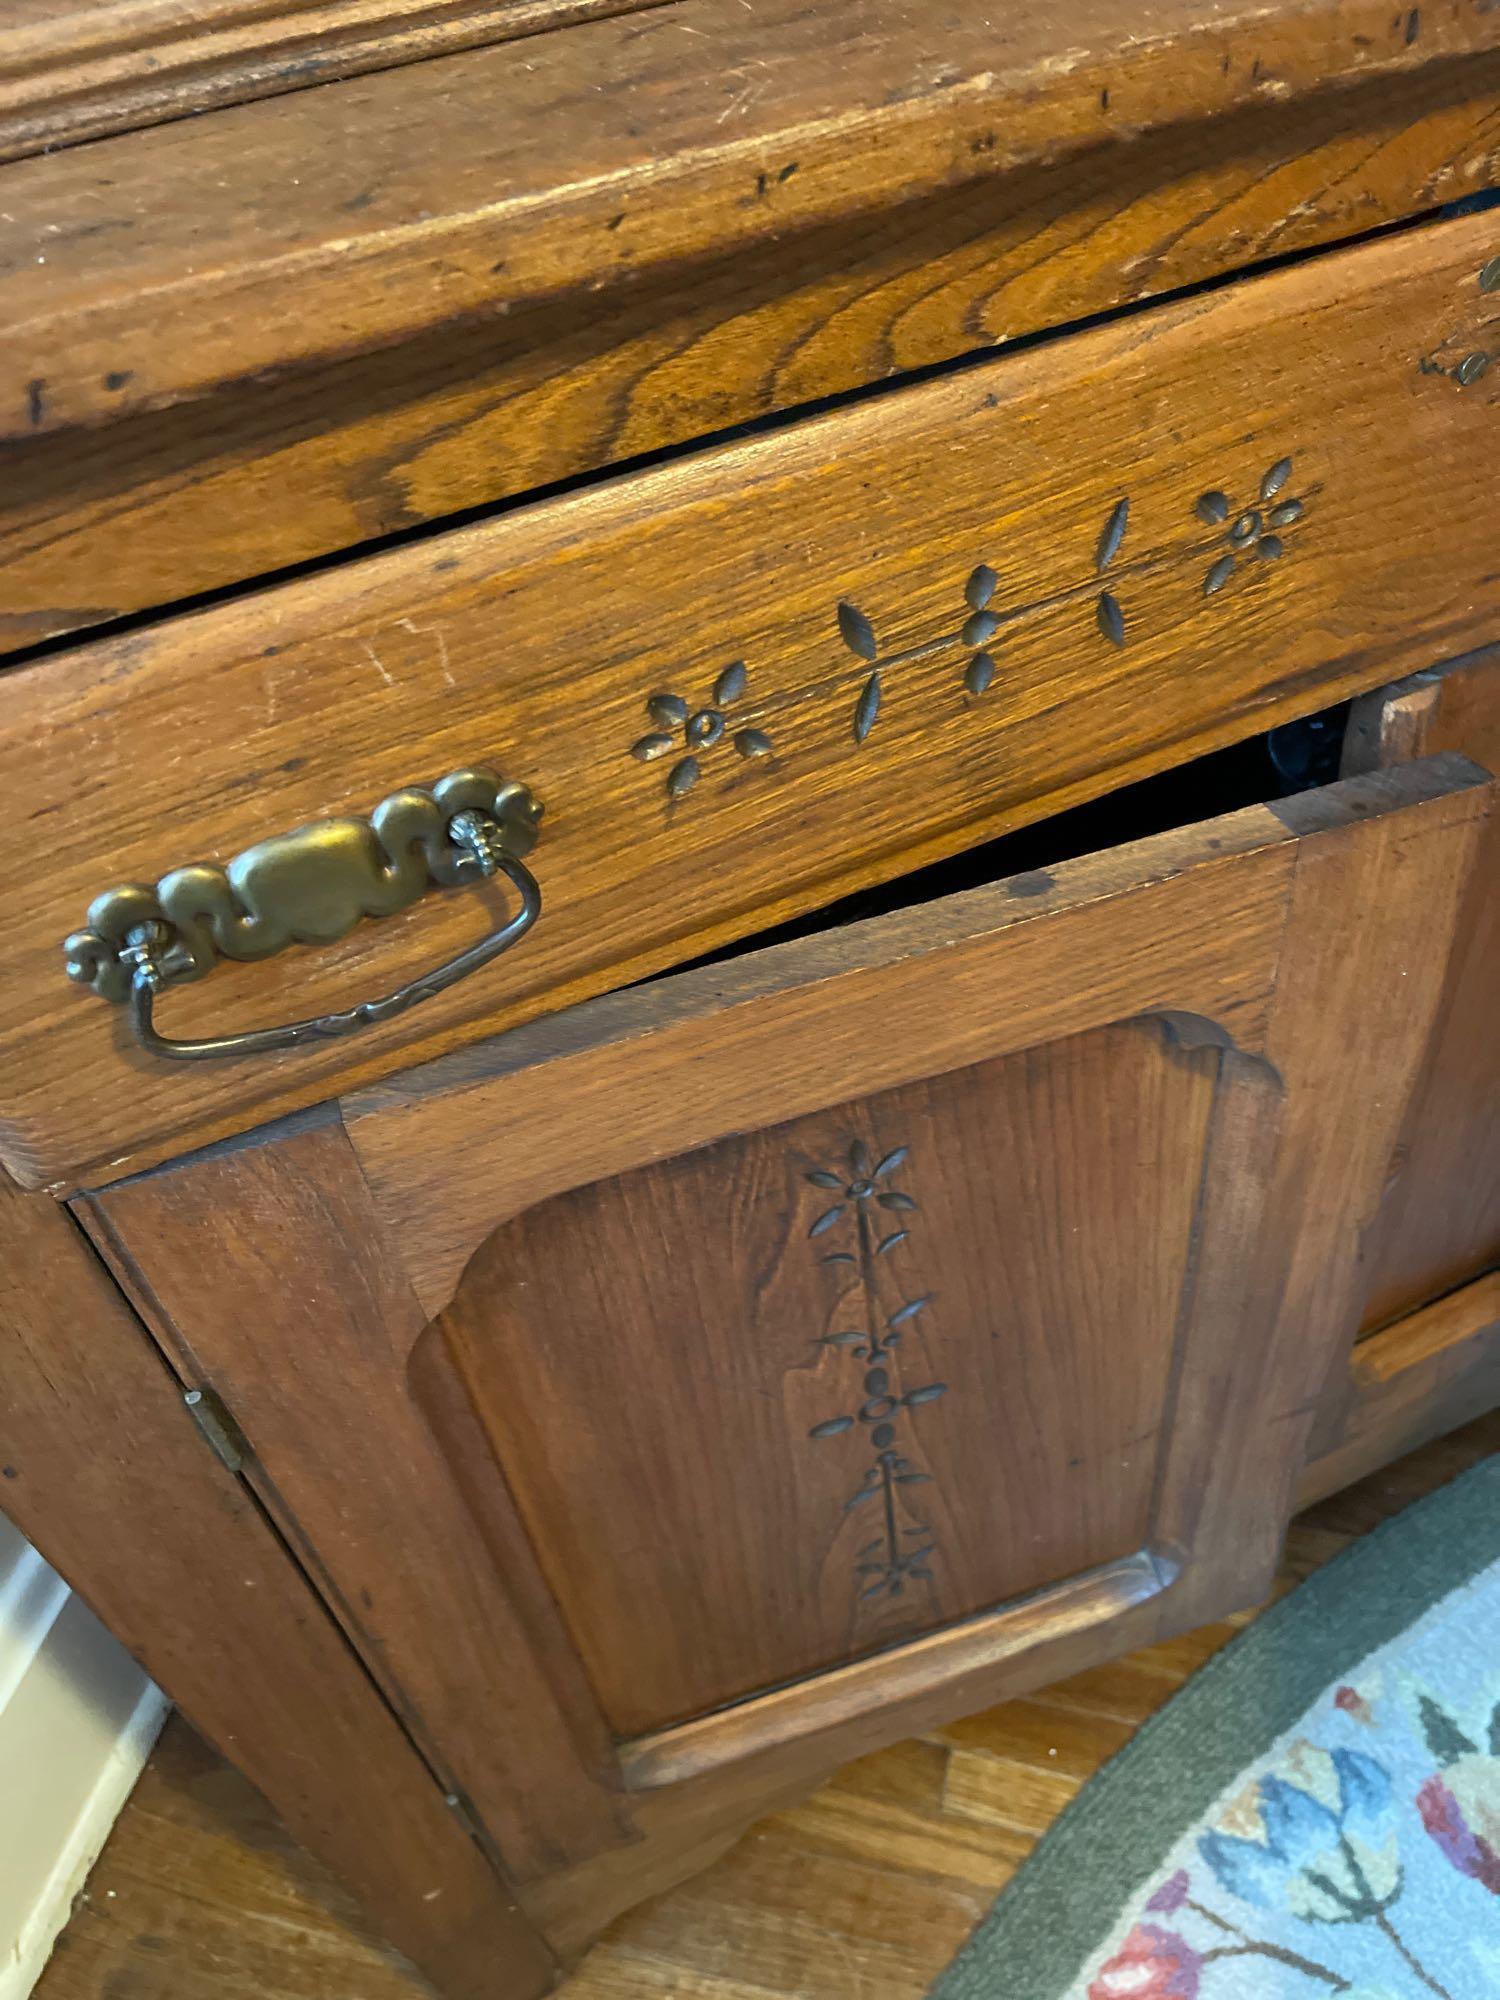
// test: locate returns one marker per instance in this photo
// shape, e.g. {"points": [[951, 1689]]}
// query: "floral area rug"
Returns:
{"points": [[1317, 1812]]}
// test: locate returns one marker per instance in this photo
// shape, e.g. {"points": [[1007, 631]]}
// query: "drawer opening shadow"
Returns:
{"points": [[1296, 757]]}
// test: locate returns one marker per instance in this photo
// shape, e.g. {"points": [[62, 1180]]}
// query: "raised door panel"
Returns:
{"points": [[1439, 1223], [770, 1405]]}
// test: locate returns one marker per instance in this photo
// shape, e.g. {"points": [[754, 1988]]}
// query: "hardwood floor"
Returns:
{"points": [[865, 1890]]}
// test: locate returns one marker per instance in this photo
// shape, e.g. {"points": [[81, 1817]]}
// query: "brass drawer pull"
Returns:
{"points": [[311, 887]]}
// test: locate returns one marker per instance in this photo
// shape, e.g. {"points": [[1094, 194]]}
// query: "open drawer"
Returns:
{"points": [[685, 1392]]}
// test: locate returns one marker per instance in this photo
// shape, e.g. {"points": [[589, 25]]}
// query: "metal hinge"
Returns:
{"points": [[223, 1435]]}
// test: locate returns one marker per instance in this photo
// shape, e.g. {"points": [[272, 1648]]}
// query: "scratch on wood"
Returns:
{"points": [[746, 96], [377, 663], [434, 632]]}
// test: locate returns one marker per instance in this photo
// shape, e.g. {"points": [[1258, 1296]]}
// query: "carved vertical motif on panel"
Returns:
{"points": [[865, 1235]]}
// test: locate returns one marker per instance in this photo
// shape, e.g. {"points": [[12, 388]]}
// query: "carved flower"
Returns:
{"points": [[1253, 530], [678, 727], [860, 1182]]}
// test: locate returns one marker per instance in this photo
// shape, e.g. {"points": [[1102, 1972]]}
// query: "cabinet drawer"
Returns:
{"points": [[896, 629], [686, 1393]]}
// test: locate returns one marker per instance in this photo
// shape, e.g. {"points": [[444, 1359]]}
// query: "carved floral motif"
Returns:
{"points": [[687, 735], [1256, 530], [869, 1220], [691, 733]]}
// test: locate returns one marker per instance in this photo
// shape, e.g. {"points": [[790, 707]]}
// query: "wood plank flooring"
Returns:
{"points": [[862, 1893]]}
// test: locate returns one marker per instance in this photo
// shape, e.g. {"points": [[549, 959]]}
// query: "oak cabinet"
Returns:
{"points": [[794, 1298], [746, 685]]}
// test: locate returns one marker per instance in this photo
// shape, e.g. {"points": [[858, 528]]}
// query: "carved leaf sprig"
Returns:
{"points": [[1108, 612], [864, 1192], [979, 628], [858, 634], [976, 633]]}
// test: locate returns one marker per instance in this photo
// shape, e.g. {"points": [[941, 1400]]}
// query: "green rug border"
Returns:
{"points": [[1054, 1912]]}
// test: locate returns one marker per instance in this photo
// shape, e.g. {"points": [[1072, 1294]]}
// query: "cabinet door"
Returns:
{"points": [[680, 1395]]}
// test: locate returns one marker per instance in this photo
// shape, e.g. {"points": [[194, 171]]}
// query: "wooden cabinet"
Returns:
{"points": [[681, 1395], [743, 1327]]}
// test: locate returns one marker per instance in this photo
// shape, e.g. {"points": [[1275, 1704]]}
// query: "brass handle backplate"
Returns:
{"points": [[311, 887]]}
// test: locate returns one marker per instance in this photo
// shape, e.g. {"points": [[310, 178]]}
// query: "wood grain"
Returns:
{"points": [[70, 72], [311, 1339], [104, 1471], [871, 1885], [203, 1890], [1406, 1384], [224, 1262], [660, 1347], [536, 641], [1359, 969], [280, 457], [626, 116], [1194, 917], [1224, 1485], [941, 1668], [727, 1048], [1439, 1224]]}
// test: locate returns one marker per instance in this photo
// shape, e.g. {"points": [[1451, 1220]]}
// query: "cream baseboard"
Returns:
{"points": [[77, 1722]]}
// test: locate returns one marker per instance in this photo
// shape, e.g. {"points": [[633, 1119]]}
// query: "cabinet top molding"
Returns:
{"points": [[133, 272]]}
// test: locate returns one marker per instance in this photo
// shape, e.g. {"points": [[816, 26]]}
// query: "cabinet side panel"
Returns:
{"points": [[1439, 1223]]}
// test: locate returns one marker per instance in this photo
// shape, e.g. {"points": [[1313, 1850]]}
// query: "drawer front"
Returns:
{"points": [[896, 629], [768, 1362]]}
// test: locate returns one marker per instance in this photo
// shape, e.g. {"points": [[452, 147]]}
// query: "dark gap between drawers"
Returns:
{"points": [[784, 417]]}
